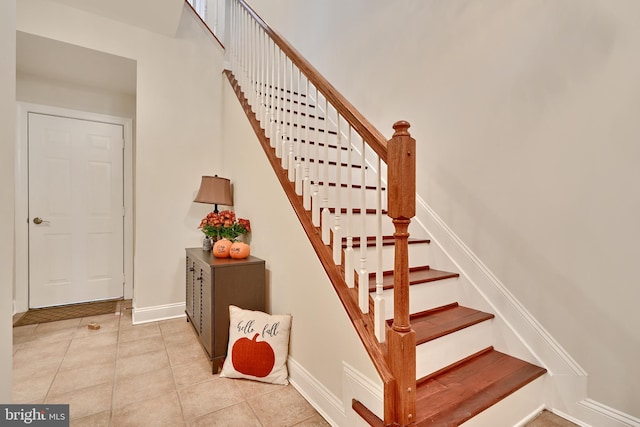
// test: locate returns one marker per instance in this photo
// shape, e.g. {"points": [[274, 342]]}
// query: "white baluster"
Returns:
{"points": [[257, 82], [242, 31], [266, 85], [348, 253], [255, 69], [297, 170], [306, 181], [231, 42], [273, 130], [260, 76], [288, 138], [379, 327], [326, 213], [337, 227], [278, 88], [248, 60], [238, 43], [363, 273], [280, 144], [315, 199], [235, 39], [293, 138]]}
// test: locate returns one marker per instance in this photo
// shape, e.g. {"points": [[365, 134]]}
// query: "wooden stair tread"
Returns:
{"points": [[386, 241], [441, 321], [461, 391], [417, 275], [456, 394]]}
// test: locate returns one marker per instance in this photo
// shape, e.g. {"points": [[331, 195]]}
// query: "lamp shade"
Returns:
{"points": [[215, 190]]}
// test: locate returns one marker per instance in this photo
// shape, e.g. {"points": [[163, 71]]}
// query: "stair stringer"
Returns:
{"points": [[518, 333]]}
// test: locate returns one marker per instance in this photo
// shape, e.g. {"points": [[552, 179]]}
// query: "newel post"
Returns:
{"points": [[401, 207]]}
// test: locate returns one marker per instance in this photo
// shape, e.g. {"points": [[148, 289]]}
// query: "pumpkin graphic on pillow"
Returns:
{"points": [[252, 357]]}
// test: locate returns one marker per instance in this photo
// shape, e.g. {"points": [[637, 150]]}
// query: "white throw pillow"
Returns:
{"points": [[258, 346]]}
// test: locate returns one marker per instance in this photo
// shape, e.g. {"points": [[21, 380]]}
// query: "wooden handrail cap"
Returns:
{"points": [[401, 128]]}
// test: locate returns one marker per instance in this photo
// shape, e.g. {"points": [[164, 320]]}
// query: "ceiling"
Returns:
{"points": [[62, 62], [160, 16]]}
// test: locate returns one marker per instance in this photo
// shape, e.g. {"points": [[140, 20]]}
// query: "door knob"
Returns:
{"points": [[38, 220]]}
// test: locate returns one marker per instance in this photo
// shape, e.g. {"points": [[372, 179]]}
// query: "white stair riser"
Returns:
{"points": [[439, 353], [514, 410], [425, 296]]}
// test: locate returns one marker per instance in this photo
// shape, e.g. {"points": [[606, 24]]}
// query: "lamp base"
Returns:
{"points": [[207, 243]]}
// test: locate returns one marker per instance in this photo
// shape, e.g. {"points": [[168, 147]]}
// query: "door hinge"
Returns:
{"points": [[123, 212]]}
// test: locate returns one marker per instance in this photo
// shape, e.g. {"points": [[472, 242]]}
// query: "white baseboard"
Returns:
{"points": [[597, 414], [527, 419], [334, 410], [158, 312], [326, 403], [362, 388]]}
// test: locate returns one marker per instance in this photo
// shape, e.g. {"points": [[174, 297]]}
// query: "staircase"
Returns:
{"points": [[354, 193]]}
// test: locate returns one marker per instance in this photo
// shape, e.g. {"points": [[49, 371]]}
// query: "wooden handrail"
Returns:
{"points": [[371, 135], [215, 37]]}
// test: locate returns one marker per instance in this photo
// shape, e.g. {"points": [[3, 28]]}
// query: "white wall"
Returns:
{"points": [[39, 90], [322, 336], [177, 130], [7, 152], [526, 117]]}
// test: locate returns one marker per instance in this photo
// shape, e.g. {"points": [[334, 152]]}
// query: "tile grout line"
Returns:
{"points": [[120, 315], [46, 396], [173, 377]]}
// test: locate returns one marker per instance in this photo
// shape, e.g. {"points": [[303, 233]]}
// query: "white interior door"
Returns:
{"points": [[75, 210]]}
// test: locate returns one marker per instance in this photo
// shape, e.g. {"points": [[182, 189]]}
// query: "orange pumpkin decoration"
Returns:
{"points": [[239, 250], [221, 248]]}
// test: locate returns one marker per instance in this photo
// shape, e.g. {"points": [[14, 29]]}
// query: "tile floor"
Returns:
{"points": [[549, 419], [155, 374]]}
